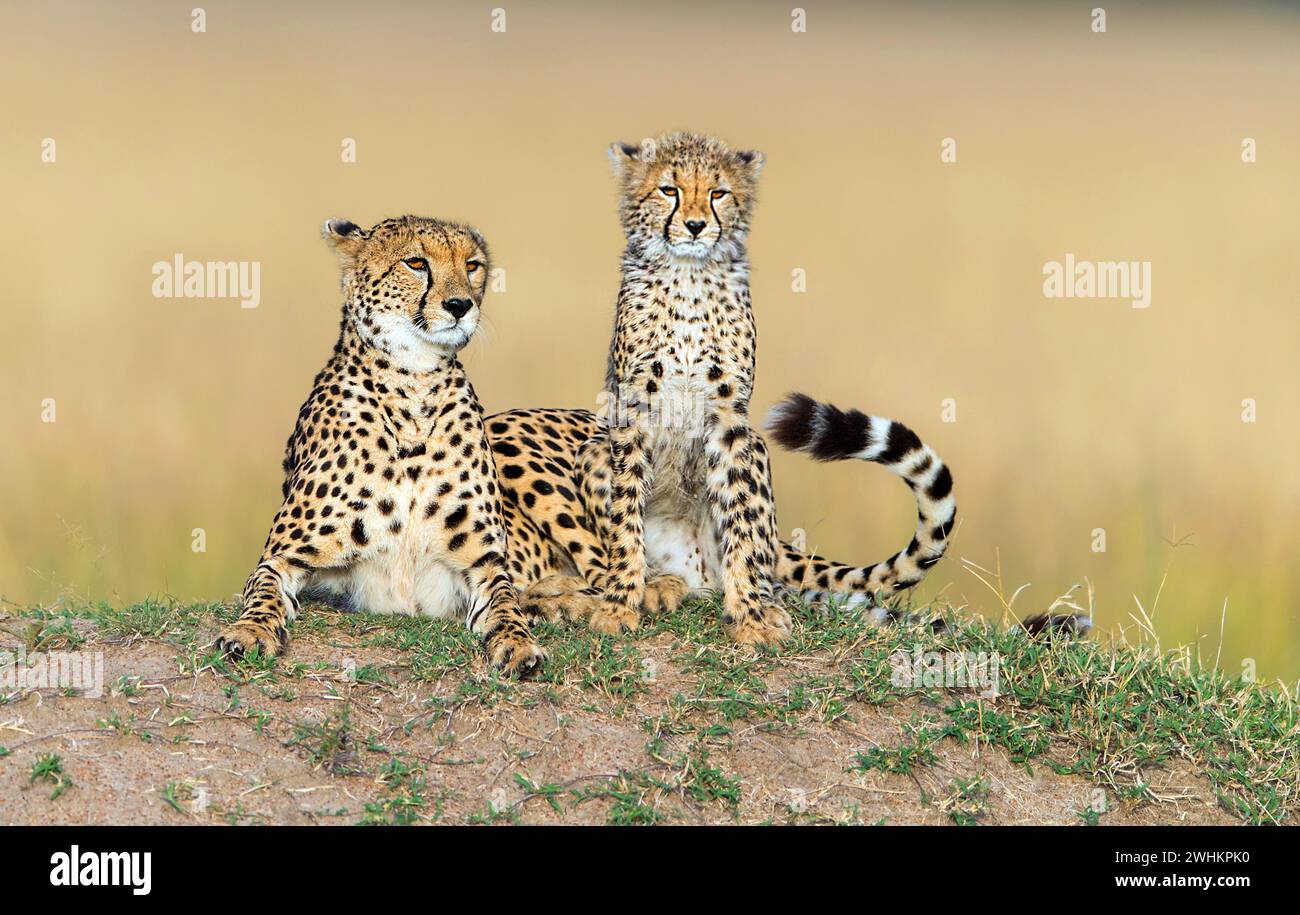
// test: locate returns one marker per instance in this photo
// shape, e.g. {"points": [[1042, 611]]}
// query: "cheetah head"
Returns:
{"points": [[686, 195], [414, 287]]}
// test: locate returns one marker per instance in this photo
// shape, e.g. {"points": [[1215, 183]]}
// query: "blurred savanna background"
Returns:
{"points": [[924, 299]]}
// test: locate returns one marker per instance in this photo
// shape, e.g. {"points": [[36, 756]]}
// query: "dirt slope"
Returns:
{"points": [[374, 720]]}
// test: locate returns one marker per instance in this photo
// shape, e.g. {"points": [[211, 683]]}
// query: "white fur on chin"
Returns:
{"points": [[416, 349]]}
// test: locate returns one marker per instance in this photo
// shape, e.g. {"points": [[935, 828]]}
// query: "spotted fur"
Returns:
{"points": [[669, 489], [391, 500]]}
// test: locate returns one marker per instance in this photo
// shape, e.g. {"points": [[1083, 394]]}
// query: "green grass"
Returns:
{"points": [[328, 744], [1111, 713], [174, 793], [48, 767], [403, 802]]}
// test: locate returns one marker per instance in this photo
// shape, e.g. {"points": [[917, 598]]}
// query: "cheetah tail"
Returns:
{"points": [[800, 423]]}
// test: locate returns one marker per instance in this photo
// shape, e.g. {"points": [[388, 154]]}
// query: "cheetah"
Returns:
{"points": [[668, 490], [390, 498]]}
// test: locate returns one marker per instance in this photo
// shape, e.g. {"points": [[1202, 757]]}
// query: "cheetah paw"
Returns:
{"points": [[764, 625], [242, 636], [664, 593], [515, 656], [612, 619]]}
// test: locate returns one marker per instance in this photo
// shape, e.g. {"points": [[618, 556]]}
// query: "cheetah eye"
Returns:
{"points": [[668, 190], [472, 266], [718, 194], [416, 263]]}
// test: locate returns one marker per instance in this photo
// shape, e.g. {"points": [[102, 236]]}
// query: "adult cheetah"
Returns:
{"points": [[391, 501], [670, 490]]}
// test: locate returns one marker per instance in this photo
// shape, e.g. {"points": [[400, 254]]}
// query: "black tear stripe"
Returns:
{"points": [[677, 202], [428, 287]]}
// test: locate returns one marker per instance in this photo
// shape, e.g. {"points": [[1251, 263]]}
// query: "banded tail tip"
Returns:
{"points": [[791, 421], [1063, 624], [799, 423]]}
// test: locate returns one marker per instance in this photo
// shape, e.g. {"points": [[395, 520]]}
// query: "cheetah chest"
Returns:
{"points": [[679, 531], [406, 567]]}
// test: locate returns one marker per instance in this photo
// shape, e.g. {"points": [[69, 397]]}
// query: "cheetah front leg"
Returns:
{"points": [[495, 614], [270, 601], [493, 609], [663, 592], [294, 549], [625, 580], [740, 502]]}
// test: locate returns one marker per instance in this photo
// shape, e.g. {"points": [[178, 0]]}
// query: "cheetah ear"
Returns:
{"points": [[751, 160], [627, 157], [624, 157], [343, 236]]}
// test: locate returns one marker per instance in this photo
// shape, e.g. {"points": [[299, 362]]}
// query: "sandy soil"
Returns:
{"points": [[309, 745]]}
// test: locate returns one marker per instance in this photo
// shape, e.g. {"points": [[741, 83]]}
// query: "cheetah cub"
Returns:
{"points": [[691, 488], [669, 491], [391, 503]]}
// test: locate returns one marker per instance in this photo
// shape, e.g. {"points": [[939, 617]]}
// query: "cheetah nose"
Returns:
{"points": [[696, 226], [457, 307]]}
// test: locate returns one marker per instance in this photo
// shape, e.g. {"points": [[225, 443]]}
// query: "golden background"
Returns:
{"points": [[924, 279]]}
